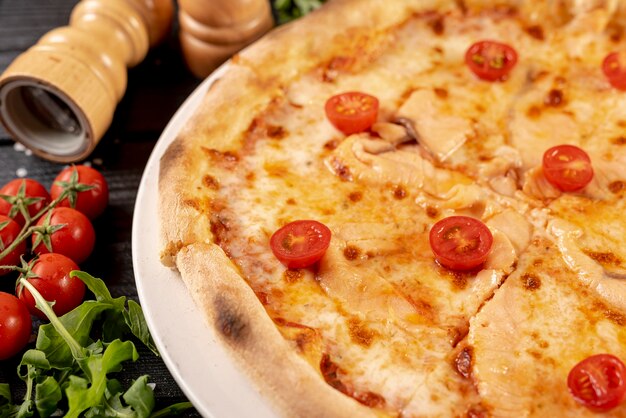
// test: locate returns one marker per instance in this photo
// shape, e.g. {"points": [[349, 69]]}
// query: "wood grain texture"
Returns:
{"points": [[156, 89]]}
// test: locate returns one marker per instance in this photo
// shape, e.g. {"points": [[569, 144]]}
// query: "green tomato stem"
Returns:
{"points": [[9, 268], [27, 230], [29, 387], [44, 306]]}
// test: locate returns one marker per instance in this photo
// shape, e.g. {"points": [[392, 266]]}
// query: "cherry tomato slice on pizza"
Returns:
{"points": [[598, 382], [567, 167], [300, 244], [491, 60], [460, 242], [352, 112], [614, 68]]}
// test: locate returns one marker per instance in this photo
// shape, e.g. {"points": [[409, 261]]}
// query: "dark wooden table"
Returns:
{"points": [[156, 88]]}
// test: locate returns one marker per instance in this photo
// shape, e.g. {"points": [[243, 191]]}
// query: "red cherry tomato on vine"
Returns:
{"points": [[614, 68], [65, 231], [491, 60], [15, 325], [9, 230], [567, 167], [598, 382], [88, 190], [352, 112], [460, 242], [27, 193], [300, 244], [53, 281]]}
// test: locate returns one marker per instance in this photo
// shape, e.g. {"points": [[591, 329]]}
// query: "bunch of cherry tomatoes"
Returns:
{"points": [[44, 236]]}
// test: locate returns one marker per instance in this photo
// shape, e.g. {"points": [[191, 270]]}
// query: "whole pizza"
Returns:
{"points": [[415, 208]]}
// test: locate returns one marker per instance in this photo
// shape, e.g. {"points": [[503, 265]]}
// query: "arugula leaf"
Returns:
{"points": [[175, 409], [26, 409], [5, 393], [133, 316], [141, 397], [97, 287], [288, 10], [137, 323], [47, 396], [83, 394], [78, 323], [71, 365], [7, 409], [114, 326], [34, 358]]}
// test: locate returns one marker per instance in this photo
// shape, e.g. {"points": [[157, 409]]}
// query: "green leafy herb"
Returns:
{"points": [[73, 359], [288, 10]]}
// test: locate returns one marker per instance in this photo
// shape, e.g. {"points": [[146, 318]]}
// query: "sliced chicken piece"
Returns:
{"points": [[471, 200], [439, 131], [369, 239], [515, 226], [532, 136], [502, 255], [394, 266], [500, 172], [538, 187], [538, 325], [362, 291], [377, 162], [506, 185], [601, 272], [598, 225], [505, 159], [391, 132], [609, 177]]}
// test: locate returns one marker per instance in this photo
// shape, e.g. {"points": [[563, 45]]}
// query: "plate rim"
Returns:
{"points": [[211, 398]]}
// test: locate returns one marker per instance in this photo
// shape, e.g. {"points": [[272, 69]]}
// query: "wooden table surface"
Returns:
{"points": [[156, 88]]}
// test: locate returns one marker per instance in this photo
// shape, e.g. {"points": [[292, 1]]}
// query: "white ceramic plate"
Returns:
{"points": [[203, 370]]}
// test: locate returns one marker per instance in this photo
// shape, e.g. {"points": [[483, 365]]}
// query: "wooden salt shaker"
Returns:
{"points": [[58, 97], [213, 30]]}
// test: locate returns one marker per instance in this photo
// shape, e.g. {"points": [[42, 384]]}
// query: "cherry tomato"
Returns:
{"points": [[491, 60], [300, 244], [460, 242], [352, 112], [88, 190], [567, 167], [614, 68], [26, 193], [52, 279], [9, 230], [65, 231], [15, 325], [598, 382]]}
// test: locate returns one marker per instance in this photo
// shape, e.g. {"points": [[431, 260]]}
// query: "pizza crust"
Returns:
{"points": [[243, 326]]}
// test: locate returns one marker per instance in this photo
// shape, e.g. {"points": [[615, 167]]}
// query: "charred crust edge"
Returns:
{"points": [[229, 322]]}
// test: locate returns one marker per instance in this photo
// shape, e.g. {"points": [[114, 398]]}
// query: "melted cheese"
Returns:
{"points": [[381, 308]]}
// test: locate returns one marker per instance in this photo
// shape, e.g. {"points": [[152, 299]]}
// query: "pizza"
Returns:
{"points": [[415, 209]]}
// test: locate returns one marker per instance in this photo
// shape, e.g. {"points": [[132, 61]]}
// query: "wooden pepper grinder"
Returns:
{"points": [[58, 97], [213, 30]]}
